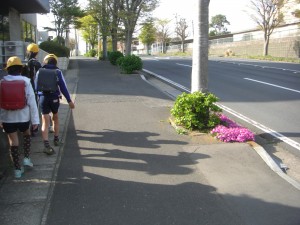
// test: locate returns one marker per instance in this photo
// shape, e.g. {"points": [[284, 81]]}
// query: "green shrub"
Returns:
{"points": [[54, 48], [91, 53], [130, 63], [114, 56], [196, 111]]}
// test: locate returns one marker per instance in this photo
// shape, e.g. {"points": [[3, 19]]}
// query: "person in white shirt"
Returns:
{"points": [[13, 120]]}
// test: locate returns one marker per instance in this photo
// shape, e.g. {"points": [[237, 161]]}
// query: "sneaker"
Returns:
{"points": [[57, 143], [27, 162], [18, 173], [49, 150]]}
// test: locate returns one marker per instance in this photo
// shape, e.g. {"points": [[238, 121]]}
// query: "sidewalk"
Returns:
{"points": [[236, 171]]}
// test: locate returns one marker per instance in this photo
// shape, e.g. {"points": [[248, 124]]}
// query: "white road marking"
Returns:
{"points": [[274, 85], [183, 65]]}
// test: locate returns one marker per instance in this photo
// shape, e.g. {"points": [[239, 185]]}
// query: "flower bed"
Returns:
{"points": [[231, 132]]}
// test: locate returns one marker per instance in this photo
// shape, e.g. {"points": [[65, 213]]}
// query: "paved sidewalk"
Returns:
{"points": [[237, 172]]}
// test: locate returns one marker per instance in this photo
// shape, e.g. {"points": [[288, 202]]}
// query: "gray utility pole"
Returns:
{"points": [[200, 47]]}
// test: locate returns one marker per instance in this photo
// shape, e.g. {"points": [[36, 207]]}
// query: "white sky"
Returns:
{"points": [[234, 10]]}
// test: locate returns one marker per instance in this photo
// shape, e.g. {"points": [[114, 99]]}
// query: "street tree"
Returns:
{"points": [[200, 47], [147, 35], [132, 11], [218, 24], [163, 33], [98, 10], [267, 14], [181, 31], [89, 30], [65, 13]]}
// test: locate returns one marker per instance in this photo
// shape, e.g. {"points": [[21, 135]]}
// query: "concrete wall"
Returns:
{"points": [[281, 47], [15, 30]]}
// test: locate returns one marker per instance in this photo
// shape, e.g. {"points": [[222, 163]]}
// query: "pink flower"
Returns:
{"points": [[231, 132]]}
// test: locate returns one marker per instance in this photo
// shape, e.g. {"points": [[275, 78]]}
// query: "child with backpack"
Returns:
{"points": [[16, 115], [50, 83], [33, 65]]}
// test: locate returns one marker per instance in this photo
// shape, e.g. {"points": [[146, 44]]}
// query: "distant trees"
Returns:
{"points": [[148, 34], [218, 25], [181, 31], [65, 13], [268, 15], [89, 30], [163, 32]]}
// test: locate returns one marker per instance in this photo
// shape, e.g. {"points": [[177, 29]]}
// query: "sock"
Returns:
{"points": [[56, 138], [26, 145], [14, 150], [46, 144]]}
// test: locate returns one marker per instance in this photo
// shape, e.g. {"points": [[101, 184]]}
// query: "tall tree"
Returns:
{"points": [[163, 33], [268, 15], [114, 8], [65, 13], [147, 35], [218, 23], [132, 10], [98, 9], [181, 31], [200, 47], [89, 30]]}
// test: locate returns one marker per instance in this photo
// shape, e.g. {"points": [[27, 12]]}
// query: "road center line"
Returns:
{"points": [[274, 85], [183, 65]]}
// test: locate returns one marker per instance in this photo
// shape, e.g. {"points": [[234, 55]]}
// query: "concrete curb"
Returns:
{"points": [[259, 149]]}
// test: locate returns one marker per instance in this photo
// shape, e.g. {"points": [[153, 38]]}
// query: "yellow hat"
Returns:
{"points": [[51, 56], [13, 61], [33, 48]]}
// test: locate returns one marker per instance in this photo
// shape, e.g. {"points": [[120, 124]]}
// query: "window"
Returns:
{"points": [[4, 28], [29, 34]]}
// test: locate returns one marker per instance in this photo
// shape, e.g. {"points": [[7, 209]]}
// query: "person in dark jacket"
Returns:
{"points": [[49, 103], [33, 65]]}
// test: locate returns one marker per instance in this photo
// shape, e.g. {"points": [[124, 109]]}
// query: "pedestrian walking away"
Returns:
{"points": [[18, 118], [50, 83], [32, 66]]}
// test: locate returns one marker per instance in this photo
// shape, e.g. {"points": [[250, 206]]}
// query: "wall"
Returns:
{"points": [[281, 47]]}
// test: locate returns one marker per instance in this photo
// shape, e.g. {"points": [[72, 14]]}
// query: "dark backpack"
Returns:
{"points": [[47, 80], [12, 94]]}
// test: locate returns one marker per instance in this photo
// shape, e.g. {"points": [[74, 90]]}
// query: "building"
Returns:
{"points": [[18, 26]]}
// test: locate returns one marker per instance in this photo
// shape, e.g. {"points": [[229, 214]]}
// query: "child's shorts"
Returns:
{"points": [[14, 127], [49, 103]]}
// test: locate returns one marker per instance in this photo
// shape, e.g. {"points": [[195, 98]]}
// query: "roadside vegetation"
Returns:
{"points": [[198, 112]]}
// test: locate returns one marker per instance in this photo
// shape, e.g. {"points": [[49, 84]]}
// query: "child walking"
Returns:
{"points": [[49, 102], [13, 121]]}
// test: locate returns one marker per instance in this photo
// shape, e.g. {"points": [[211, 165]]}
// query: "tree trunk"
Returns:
{"points": [[182, 47], [104, 40], [114, 37], [200, 48], [128, 42], [266, 46]]}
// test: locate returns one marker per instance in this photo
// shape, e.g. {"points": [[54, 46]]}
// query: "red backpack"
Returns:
{"points": [[12, 94]]}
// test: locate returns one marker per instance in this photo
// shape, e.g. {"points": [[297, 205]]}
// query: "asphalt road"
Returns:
{"points": [[123, 164], [265, 93]]}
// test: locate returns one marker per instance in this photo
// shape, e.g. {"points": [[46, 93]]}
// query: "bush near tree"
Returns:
{"points": [[55, 48], [114, 56], [129, 63], [196, 111]]}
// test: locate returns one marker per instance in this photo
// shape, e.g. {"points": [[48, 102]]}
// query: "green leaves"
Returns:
{"points": [[130, 63], [196, 111]]}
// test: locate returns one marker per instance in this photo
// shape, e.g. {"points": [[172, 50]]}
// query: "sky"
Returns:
{"points": [[234, 10]]}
